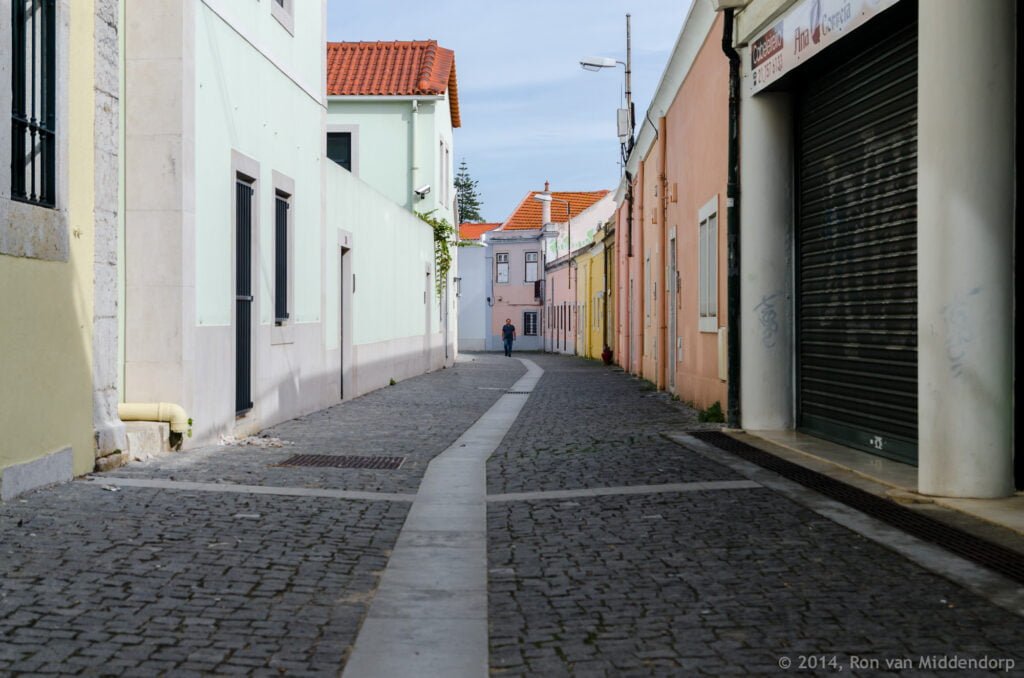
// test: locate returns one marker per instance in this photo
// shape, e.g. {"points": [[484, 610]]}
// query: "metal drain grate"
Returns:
{"points": [[343, 461], [1006, 562], [518, 392]]}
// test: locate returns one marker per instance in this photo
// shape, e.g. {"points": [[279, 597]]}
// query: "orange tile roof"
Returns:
{"points": [[393, 68], [529, 214], [474, 231]]}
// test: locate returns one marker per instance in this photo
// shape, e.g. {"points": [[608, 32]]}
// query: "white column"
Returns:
{"points": [[965, 247], [766, 268]]}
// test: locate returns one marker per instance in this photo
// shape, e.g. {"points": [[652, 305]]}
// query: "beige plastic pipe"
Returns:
{"points": [[175, 415]]}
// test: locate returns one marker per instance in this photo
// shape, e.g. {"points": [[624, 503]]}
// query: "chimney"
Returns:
{"points": [[546, 206]]}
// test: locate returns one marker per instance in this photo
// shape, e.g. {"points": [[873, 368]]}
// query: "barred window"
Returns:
{"points": [[530, 324], [34, 102]]}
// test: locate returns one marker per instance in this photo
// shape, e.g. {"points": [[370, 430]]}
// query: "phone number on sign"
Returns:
{"points": [[767, 71]]}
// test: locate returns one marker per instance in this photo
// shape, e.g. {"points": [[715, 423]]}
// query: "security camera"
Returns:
{"points": [[422, 191]]}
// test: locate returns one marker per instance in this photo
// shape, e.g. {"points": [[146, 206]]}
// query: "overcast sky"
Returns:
{"points": [[529, 112]]}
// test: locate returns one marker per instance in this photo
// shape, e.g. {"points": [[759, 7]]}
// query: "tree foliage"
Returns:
{"points": [[444, 239], [468, 196]]}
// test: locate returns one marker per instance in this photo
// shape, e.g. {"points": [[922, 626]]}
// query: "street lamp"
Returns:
{"points": [[626, 119]]}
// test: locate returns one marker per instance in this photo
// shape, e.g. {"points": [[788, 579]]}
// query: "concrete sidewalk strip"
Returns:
{"points": [[705, 486], [429, 615], [232, 488]]}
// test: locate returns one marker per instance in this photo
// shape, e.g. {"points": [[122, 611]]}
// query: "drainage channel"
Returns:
{"points": [[1006, 562]]}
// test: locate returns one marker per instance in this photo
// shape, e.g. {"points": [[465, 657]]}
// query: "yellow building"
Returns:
{"points": [[593, 269], [58, 242]]}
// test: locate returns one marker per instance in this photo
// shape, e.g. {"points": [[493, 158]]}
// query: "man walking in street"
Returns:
{"points": [[508, 335]]}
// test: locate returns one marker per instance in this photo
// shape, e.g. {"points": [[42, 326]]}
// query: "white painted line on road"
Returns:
{"points": [[703, 486], [182, 485], [429, 616]]}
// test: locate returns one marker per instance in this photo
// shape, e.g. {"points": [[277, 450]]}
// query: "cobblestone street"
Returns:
{"points": [[610, 550]]}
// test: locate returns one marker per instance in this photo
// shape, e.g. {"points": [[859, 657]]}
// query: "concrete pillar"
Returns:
{"points": [[966, 188], [766, 264]]}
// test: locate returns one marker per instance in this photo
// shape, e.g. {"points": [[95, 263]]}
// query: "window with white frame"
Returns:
{"points": [[532, 262], [530, 323], [501, 260], [707, 220]]}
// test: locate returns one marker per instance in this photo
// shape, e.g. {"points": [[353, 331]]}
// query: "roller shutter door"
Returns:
{"points": [[857, 249]]}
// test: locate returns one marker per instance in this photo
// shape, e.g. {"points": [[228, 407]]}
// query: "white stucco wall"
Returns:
{"points": [[473, 319]]}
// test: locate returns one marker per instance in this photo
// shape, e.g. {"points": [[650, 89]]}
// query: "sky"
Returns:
{"points": [[529, 112]]}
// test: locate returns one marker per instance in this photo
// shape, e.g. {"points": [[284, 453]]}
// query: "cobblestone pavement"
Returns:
{"points": [[139, 581], [702, 583], [587, 425], [108, 580], [417, 418]]}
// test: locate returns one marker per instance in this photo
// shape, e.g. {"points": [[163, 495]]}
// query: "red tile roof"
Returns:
{"points": [[474, 231], [529, 214], [393, 68]]}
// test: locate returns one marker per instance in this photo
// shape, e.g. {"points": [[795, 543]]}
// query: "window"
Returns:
{"points": [[34, 102], [708, 270], [531, 266], [502, 262], [339, 147], [281, 258], [530, 324], [283, 11]]}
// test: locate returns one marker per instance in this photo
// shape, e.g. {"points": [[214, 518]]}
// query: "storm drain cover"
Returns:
{"points": [[518, 392], [344, 461]]}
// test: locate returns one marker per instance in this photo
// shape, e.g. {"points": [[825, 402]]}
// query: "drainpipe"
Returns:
{"points": [[415, 168], [733, 217], [662, 207], [170, 413]]}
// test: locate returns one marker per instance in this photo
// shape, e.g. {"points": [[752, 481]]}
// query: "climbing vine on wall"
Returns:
{"points": [[444, 239]]}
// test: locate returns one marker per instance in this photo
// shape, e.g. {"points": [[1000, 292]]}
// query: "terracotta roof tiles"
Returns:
{"points": [[469, 231], [529, 214], [399, 68]]}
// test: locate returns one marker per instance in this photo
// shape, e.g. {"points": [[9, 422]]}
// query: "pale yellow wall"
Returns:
{"points": [[47, 307], [595, 312]]}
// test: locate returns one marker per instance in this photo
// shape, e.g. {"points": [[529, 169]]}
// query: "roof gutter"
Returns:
{"points": [[385, 97]]}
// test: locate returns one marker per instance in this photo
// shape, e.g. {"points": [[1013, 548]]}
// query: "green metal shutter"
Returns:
{"points": [[857, 249]]}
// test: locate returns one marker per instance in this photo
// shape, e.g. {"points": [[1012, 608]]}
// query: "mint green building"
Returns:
{"points": [[391, 109], [255, 269]]}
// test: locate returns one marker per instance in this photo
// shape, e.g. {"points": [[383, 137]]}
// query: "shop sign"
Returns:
{"points": [[805, 30]]}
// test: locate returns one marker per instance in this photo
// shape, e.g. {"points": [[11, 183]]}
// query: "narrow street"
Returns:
{"points": [[611, 549]]}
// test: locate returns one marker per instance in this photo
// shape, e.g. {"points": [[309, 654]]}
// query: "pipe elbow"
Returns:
{"points": [[170, 413]]}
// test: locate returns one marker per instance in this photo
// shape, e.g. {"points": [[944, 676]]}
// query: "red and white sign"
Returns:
{"points": [[806, 29]]}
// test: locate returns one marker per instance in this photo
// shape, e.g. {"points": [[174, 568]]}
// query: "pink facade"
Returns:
{"points": [[514, 292], [560, 309], [664, 333]]}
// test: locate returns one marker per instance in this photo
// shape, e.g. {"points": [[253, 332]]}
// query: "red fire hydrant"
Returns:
{"points": [[606, 355]]}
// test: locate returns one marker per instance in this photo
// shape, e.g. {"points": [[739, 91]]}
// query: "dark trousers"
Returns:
{"points": [[508, 347]]}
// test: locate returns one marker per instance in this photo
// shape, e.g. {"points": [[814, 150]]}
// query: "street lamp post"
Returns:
{"points": [[596, 64]]}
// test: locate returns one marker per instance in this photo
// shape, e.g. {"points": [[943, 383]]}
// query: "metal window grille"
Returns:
{"points": [[243, 297], [281, 260], [34, 102], [530, 323]]}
